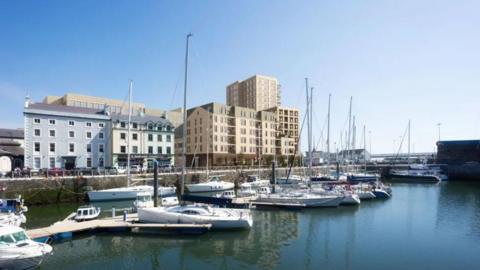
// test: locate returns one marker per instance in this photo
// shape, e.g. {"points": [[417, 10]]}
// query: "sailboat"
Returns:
{"points": [[363, 177], [129, 192], [412, 174], [224, 218], [295, 197]]}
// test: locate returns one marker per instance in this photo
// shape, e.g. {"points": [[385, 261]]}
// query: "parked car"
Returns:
{"points": [[54, 172], [136, 168]]}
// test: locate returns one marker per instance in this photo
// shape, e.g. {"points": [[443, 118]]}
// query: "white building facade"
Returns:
{"points": [[58, 136]]}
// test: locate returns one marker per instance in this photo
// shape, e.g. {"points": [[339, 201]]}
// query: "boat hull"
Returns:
{"points": [[126, 194], [352, 199], [208, 187], [415, 178], [161, 215], [314, 201]]}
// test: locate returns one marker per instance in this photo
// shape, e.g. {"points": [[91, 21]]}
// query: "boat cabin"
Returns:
{"points": [[12, 205], [11, 235], [87, 213]]}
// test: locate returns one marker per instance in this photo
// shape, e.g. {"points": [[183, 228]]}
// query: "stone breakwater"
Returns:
{"points": [[38, 191]]}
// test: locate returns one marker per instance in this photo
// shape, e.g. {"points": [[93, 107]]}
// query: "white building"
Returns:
{"points": [[58, 136]]}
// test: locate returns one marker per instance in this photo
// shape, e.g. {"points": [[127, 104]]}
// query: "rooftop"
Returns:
{"points": [[11, 133]]}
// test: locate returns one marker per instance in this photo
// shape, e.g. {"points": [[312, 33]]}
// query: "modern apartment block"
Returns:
{"points": [[152, 138], [114, 106], [229, 134], [257, 92], [59, 136], [287, 130]]}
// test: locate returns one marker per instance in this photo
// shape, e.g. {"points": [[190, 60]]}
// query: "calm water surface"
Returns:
{"points": [[420, 227]]}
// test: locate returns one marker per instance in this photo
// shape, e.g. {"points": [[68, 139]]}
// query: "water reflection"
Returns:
{"points": [[260, 247]]}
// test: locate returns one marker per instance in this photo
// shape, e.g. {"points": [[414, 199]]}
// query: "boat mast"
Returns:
{"points": [[349, 133], [364, 150], [328, 130], [408, 156], [208, 136], [129, 176], [184, 137], [308, 128]]}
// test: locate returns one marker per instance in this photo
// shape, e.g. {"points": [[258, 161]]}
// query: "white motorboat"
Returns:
{"points": [[363, 191], [230, 194], [17, 251], [220, 218], [144, 199], [246, 192], [127, 193], [298, 199], [87, 213], [254, 181], [12, 219], [213, 184], [349, 197]]}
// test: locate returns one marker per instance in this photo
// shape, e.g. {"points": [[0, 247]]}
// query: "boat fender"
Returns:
{"points": [[125, 215]]}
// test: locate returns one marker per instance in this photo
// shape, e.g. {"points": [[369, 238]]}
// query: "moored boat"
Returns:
{"points": [[17, 251], [213, 184], [219, 218], [87, 212], [127, 193]]}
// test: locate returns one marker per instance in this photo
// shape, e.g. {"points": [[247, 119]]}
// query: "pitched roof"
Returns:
{"points": [[142, 119], [63, 108], [11, 133]]}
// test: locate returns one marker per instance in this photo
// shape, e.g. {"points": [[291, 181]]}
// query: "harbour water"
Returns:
{"points": [[420, 227]]}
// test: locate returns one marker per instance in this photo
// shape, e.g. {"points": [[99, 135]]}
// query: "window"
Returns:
{"points": [[52, 162], [100, 135], [159, 137], [135, 149], [123, 149], [36, 163], [122, 124], [169, 138], [169, 150], [52, 148], [71, 147], [101, 162], [51, 133], [123, 136], [101, 125], [36, 147], [100, 148], [150, 137], [71, 134], [89, 134], [51, 121], [150, 150], [88, 124], [36, 132], [36, 120], [89, 162], [134, 136], [159, 150], [135, 125], [89, 148], [71, 123]]}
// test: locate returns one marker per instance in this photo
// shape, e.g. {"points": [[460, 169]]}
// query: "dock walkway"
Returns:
{"points": [[67, 228]]}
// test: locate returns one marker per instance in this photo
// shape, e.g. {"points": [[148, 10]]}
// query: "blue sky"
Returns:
{"points": [[400, 60]]}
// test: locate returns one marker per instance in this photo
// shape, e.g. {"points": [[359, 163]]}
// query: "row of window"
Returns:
{"points": [[70, 122], [71, 147], [123, 149], [71, 133], [149, 126], [123, 136], [37, 162]]}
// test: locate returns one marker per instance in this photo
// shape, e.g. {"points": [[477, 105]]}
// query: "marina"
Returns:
{"points": [[439, 220]]}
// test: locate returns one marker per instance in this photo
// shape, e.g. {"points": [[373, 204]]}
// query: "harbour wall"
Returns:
{"points": [[51, 190]]}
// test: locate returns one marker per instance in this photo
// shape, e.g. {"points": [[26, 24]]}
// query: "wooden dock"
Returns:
{"points": [[67, 228]]}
